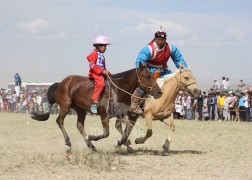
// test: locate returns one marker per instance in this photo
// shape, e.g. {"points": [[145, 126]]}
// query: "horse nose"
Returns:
{"points": [[196, 92], [157, 94]]}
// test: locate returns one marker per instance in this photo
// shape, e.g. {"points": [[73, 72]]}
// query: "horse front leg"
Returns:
{"points": [[81, 127], [125, 135], [105, 125], [118, 125], [166, 145], [148, 120]]}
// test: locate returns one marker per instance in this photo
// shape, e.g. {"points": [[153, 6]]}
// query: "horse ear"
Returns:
{"points": [[182, 67], [142, 65]]}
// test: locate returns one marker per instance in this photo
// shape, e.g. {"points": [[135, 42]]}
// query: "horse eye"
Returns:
{"points": [[186, 77]]}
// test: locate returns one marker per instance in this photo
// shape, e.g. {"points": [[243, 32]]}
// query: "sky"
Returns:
{"points": [[50, 39]]}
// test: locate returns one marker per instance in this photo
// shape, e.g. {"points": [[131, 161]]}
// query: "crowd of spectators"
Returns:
{"points": [[22, 101], [220, 103], [26, 102]]}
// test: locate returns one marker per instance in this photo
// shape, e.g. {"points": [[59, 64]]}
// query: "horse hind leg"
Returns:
{"points": [[81, 116], [166, 145], [60, 122], [105, 125]]}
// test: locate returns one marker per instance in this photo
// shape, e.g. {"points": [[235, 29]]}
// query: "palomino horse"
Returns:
{"points": [[163, 107], [76, 91]]}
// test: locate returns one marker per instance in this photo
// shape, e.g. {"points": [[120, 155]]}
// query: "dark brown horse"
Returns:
{"points": [[75, 92]]}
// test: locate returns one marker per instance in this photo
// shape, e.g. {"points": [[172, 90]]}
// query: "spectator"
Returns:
{"points": [[18, 80], [216, 85], [232, 105], [35, 104], [223, 83], [205, 114], [194, 108], [179, 104], [44, 102], [227, 101], [5, 105], [188, 103], [1, 102], [200, 105], [250, 88], [211, 106], [220, 102], [247, 106], [216, 110], [241, 85], [241, 106], [39, 102], [228, 83], [25, 107]]}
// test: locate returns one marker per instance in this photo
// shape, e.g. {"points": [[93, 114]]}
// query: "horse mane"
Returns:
{"points": [[123, 74], [169, 78]]}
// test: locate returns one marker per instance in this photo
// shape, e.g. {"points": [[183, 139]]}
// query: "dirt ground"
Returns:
{"points": [[200, 150]]}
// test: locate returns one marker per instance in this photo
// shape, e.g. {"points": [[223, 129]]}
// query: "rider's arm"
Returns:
{"points": [[92, 58], [177, 57], [143, 56]]}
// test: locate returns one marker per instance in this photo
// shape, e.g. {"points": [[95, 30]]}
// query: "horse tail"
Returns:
{"points": [[51, 100]]}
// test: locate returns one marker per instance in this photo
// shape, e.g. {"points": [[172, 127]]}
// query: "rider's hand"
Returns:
{"points": [[106, 72]]}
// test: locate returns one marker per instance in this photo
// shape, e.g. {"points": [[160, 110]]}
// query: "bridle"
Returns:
{"points": [[141, 84], [185, 86]]}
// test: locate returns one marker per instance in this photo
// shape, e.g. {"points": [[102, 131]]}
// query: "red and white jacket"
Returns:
{"points": [[96, 63]]}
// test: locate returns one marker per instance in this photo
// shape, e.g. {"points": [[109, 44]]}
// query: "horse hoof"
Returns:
{"points": [[94, 149], [129, 149], [67, 154], [163, 153], [166, 148], [117, 145], [68, 148], [139, 141]]}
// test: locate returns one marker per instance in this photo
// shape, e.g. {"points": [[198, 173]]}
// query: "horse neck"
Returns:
{"points": [[126, 81], [170, 90]]}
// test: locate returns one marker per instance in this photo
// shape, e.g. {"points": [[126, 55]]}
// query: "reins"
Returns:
{"points": [[141, 84], [123, 89]]}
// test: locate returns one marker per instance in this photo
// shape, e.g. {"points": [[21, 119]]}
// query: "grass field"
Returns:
{"points": [[209, 150]]}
